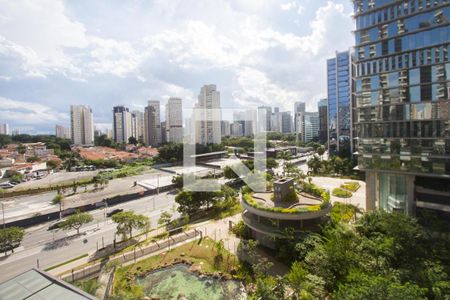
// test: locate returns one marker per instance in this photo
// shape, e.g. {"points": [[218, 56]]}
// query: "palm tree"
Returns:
{"points": [[58, 199]]}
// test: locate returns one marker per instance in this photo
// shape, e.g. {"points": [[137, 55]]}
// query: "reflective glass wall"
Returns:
{"points": [[402, 85]]}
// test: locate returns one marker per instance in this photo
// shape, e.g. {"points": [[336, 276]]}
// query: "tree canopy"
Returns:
{"points": [[128, 220], [76, 220], [10, 238]]}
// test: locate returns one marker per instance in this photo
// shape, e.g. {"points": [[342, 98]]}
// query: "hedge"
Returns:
{"points": [[351, 186]]}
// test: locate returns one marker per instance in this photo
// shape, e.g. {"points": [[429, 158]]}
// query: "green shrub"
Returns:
{"points": [[342, 212], [241, 230], [341, 193], [291, 196], [351, 186]]}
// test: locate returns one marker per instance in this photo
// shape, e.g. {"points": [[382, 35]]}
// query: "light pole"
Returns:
{"points": [[3, 212]]}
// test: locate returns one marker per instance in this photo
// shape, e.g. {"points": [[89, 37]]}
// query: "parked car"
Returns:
{"points": [[56, 225], [113, 212], [7, 185]]}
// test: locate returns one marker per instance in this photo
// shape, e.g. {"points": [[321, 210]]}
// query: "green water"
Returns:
{"points": [[169, 283]]}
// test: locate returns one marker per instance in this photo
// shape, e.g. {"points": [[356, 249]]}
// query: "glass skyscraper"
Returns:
{"points": [[339, 98], [401, 103]]}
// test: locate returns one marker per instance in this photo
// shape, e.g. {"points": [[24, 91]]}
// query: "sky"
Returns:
{"points": [[56, 53]]}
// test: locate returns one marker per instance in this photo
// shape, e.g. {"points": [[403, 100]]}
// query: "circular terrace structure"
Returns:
{"points": [[269, 214]]}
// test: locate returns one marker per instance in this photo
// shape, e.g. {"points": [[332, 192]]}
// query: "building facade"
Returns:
{"points": [[310, 127], [225, 128], [174, 120], [122, 124], [264, 119], [401, 106], [137, 125], [286, 122], [323, 120], [207, 116], [299, 110], [81, 125], [339, 100], [152, 124], [236, 129], [62, 132], [4, 128]]}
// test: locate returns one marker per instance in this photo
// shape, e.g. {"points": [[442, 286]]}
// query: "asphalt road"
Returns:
{"points": [[52, 247]]}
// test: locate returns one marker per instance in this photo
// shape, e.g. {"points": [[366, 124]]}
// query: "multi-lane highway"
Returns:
{"points": [[52, 247]]}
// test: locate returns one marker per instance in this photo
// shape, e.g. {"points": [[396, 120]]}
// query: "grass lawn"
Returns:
{"points": [[199, 253]]}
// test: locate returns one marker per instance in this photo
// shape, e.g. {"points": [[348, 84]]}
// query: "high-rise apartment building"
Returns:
{"points": [[174, 120], [299, 110], [81, 125], [225, 128], [275, 121], [286, 122], [122, 124], [62, 132], [152, 124], [4, 128], [401, 105], [323, 120], [236, 129], [310, 124], [137, 125], [207, 116], [339, 100]]}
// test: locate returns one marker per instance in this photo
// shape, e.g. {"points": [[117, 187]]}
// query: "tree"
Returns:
{"points": [[10, 238], [128, 220], [321, 150], [52, 164], [5, 140], [77, 220], [297, 277], [165, 218], [33, 159], [21, 149], [132, 140], [59, 199]]}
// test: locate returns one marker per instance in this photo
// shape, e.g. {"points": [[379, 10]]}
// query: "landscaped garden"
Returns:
{"points": [[205, 264]]}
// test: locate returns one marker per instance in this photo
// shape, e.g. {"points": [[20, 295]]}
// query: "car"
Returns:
{"points": [[56, 225], [113, 212]]}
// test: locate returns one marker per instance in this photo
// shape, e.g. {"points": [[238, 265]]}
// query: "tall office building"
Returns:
{"points": [[339, 100], [323, 120], [299, 110], [152, 124], [174, 120], [275, 121], [264, 118], [137, 125], [4, 128], [122, 124], [207, 116], [164, 132], [310, 124], [401, 106], [62, 132], [81, 125], [286, 122]]}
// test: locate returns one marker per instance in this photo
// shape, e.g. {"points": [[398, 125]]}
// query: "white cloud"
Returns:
{"points": [[27, 113]]}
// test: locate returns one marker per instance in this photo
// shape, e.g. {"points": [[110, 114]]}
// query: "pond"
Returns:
{"points": [[176, 281]]}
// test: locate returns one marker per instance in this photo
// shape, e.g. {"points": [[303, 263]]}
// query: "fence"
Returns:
{"points": [[95, 269]]}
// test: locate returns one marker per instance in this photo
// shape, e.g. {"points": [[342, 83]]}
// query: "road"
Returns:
{"points": [[21, 207], [52, 247]]}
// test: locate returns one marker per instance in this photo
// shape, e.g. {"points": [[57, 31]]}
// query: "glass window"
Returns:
{"points": [[393, 79], [374, 82], [414, 76], [447, 70], [374, 96], [414, 94]]}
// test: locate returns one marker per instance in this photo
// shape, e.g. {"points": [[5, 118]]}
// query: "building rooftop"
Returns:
{"points": [[38, 285]]}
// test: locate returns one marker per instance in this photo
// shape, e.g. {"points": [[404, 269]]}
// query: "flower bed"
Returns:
{"points": [[351, 186]]}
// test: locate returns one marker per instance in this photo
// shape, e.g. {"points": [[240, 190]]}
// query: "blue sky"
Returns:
{"points": [[104, 53]]}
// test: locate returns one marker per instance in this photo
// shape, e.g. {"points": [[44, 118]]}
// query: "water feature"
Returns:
{"points": [[171, 282]]}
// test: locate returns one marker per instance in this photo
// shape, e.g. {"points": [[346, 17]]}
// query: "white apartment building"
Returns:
{"points": [[264, 118], [275, 120], [4, 128], [122, 124], [62, 132], [174, 120], [299, 110], [137, 124], [207, 116], [81, 125]]}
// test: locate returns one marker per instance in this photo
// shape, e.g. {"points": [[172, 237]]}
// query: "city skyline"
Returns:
{"points": [[97, 65]]}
